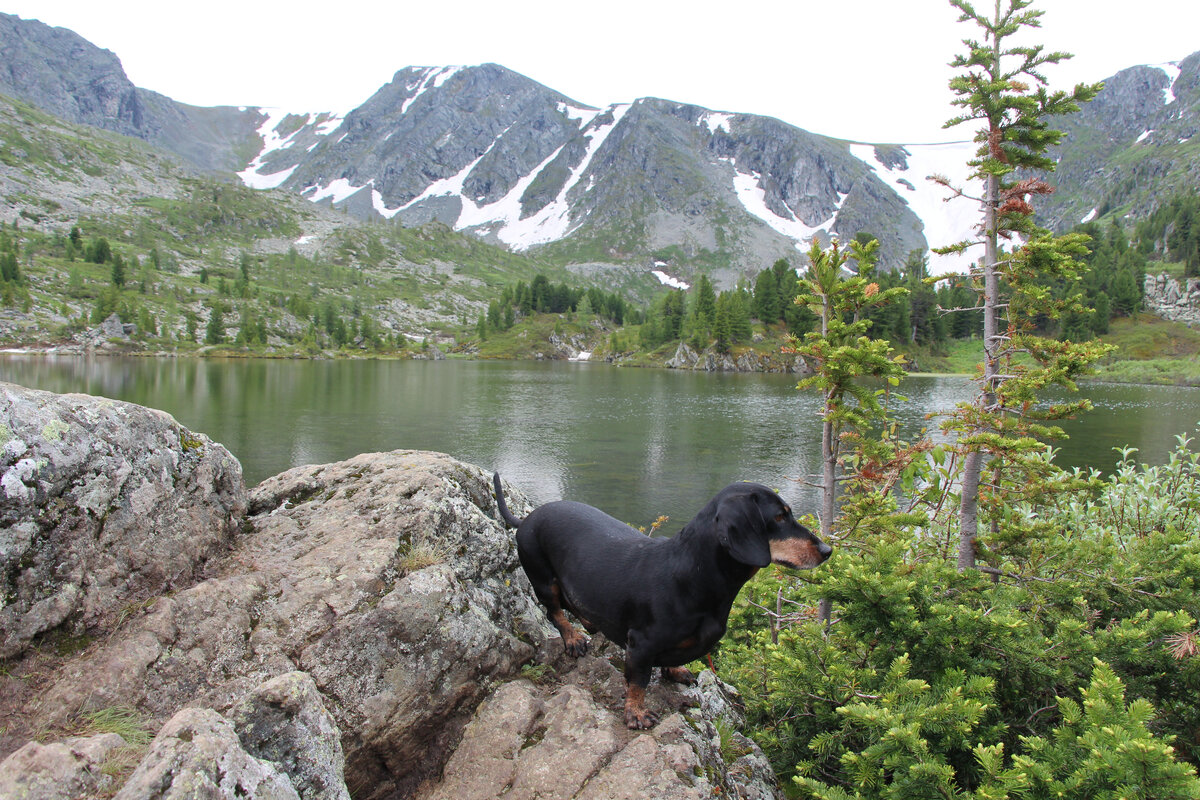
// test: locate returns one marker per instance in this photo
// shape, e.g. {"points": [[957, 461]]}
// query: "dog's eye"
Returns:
{"points": [[780, 517]]}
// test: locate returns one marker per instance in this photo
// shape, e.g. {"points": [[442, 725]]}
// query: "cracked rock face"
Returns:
{"points": [[103, 505], [566, 738], [386, 578], [1165, 297]]}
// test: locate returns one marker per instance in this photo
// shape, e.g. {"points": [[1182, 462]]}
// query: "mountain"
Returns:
{"points": [[652, 182], [1130, 149], [486, 150]]}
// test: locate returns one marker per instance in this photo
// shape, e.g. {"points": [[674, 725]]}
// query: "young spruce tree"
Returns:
{"points": [[1002, 87], [842, 355]]}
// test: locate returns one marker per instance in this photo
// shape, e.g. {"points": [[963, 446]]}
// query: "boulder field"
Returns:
{"points": [[360, 629]]}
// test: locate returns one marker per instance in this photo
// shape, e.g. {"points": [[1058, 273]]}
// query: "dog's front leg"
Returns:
{"points": [[638, 668]]}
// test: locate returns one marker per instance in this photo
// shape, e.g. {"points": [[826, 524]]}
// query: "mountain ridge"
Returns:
{"points": [[493, 153]]}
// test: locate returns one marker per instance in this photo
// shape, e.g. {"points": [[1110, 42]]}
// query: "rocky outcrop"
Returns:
{"points": [[747, 361], [364, 635], [565, 739], [60, 71], [66, 770], [103, 506], [1166, 298]]}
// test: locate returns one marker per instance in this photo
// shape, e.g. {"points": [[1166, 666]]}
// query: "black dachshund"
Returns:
{"points": [[666, 601]]}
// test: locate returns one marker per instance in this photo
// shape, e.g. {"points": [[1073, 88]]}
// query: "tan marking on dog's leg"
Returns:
{"points": [[636, 716], [679, 675], [575, 643]]}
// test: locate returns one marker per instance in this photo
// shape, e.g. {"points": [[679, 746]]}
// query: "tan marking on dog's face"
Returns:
{"points": [[796, 553]]}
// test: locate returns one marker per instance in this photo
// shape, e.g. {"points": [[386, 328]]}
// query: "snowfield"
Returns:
{"points": [[947, 219]]}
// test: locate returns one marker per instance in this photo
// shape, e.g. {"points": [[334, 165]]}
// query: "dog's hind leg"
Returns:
{"points": [[575, 643], [679, 675], [549, 594]]}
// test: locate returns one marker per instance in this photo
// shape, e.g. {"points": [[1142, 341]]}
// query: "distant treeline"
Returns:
{"points": [[1111, 287], [543, 297]]}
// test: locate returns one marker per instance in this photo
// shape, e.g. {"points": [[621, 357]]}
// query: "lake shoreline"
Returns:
{"points": [[1156, 372]]}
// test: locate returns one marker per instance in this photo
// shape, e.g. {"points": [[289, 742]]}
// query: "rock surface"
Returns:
{"points": [[567, 739], [363, 636], [708, 361], [1166, 298], [103, 505], [59, 771]]}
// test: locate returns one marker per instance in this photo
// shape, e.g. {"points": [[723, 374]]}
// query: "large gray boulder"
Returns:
{"points": [[103, 506], [198, 754], [387, 578], [65, 770]]}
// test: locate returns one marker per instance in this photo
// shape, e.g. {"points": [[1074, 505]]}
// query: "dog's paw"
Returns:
{"points": [[639, 719], [679, 675], [576, 646]]}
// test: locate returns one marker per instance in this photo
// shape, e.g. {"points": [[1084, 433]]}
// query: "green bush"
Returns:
{"points": [[931, 682]]}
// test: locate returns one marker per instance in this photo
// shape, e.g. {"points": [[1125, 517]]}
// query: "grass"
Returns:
{"points": [[126, 722], [1152, 350], [424, 553]]}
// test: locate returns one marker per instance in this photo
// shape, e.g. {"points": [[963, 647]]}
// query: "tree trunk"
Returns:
{"points": [[968, 514], [968, 510], [828, 471]]}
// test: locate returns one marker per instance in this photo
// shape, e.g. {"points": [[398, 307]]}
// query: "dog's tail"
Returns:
{"points": [[512, 521]]}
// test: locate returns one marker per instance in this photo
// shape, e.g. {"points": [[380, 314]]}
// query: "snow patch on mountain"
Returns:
{"points": [[503, 217], [715, 121], [583, 115], [337, 191], [553, 221], [273, 140], [443, 187], [1172, 70], [748, 188], [946, 220], [431, 78], [667, 280]]}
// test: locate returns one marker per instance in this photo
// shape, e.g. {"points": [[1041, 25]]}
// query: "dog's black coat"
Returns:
{"points": [[666, 601]]}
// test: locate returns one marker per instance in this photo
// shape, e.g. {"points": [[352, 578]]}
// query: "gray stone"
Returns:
{"points": [[112, 328], [387, 578], [566, 738], [197, 754], [105, 505], [284, 721], [60, 771], [1164, 297]]}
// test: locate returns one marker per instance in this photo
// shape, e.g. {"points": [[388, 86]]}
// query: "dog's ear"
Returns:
{"points": [[740, 532]]}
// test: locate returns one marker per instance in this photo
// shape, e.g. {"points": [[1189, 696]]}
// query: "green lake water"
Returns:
{"points": [[636, 442]]}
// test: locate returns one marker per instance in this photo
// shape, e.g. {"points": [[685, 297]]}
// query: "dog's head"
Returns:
{"points": [[757, 528]]}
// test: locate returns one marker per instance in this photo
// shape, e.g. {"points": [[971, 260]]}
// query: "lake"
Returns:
{"points": [[636, 442]]}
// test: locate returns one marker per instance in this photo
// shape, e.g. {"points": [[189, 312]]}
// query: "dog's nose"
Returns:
{"points": [[825, 550]]}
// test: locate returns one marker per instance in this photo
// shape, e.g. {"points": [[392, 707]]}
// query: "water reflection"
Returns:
{"points": [[638, 443]]}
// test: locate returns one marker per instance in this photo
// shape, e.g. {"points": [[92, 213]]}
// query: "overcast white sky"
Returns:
{"points": [[869, 70]]}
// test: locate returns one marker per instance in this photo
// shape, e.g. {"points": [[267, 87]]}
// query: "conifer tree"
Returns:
{"points": [[841, 354], [214, 332], [118, 271], [766, 297], [704, 310], [1002, 88]]}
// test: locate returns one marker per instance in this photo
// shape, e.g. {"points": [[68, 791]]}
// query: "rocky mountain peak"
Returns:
{"points": [[61, 72]]}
